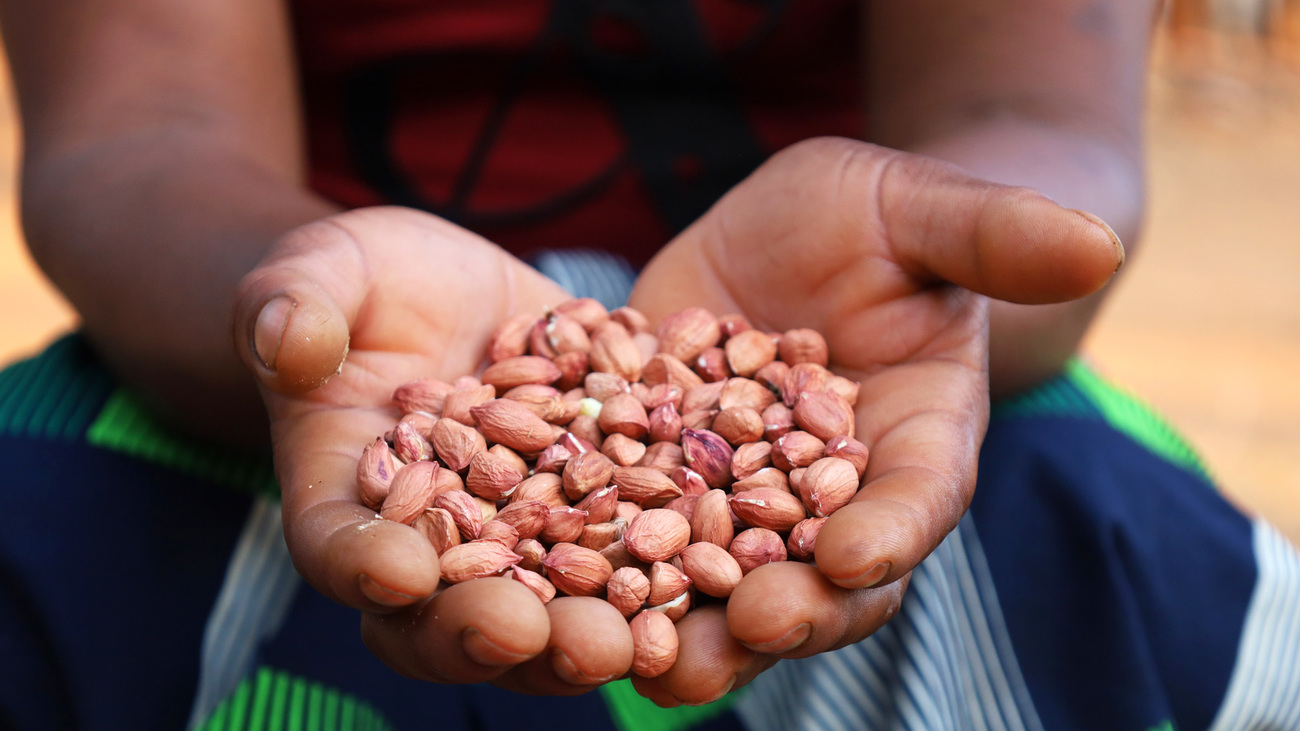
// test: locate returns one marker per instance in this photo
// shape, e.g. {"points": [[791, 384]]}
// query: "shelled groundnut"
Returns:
{"points": [[596, 456]]}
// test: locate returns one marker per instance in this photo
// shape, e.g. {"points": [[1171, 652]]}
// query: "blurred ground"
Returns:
{"points": [[1204, 324], [30, 310]]}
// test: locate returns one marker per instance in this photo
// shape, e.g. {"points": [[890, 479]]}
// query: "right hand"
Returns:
{"points": [[402, 295]]}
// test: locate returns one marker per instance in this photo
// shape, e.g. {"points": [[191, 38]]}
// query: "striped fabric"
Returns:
{"points": [[1131, 416], [1085, 394], [126, 425], [258, 588], [53, 395], [1264, 693], [632, 712], [271, 700], [945, 662], [605, 277], [66, 394]]}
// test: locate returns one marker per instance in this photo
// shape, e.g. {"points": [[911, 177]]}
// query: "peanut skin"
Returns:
{"points": [[654, 643]]}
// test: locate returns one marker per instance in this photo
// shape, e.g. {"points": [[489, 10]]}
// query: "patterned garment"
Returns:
{"points": [[604, 124], [1098, 582]]}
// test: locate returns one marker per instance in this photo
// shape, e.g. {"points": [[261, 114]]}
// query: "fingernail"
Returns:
{"points": [[570, 673], [269, 329], [485, 652], [382, 595], [787, 642], [1114, 237], [873, 575]]}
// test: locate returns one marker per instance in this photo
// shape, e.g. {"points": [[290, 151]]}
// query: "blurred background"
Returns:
{"points": [[1205, 323]]}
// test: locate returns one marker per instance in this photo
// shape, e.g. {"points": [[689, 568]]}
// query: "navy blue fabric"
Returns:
{"points": [[109, 570], [1124, 579]]}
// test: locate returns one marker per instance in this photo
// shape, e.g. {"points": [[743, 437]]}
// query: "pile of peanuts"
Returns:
{"points": [[596, 456]]}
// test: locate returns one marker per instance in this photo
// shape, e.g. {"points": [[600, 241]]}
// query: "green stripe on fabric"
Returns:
{"points": [[218, 720], [287, 702], [1058, 397], [297, 705], [631, 712], [24, 410], [12, 420], [279, 689], [348, 718], [261, 700], [314, 700], [239, 705], [1140, 422], [331, 712], [54, 394], [124, 425], [64, 406]]}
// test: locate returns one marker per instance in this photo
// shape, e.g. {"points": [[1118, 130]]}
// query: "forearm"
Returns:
{"points": [[163, 154], [148, 236], [1100, 175]]}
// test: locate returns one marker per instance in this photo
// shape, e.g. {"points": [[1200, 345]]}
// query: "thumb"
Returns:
{"points": [[293, 313], [832, 203], [1009, 243]]}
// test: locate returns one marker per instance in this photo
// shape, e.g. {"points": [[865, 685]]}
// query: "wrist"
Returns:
{"points": [[152, 270], [1030, 344]]}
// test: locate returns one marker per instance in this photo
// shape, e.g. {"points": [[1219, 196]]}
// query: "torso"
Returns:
{"points": [[608, 124]]}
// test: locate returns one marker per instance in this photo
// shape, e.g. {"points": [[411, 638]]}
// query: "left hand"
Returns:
{"points": [[891, 256]]}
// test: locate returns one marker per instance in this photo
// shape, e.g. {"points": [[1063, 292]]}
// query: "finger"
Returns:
{"points": [[791, 610], [837, 208], [836, 197], [342, 548], [894, 523], [710, 662], [590, 644], [1006, 242], [924, 422], [366, 274], [293, 313], [468, 633]]}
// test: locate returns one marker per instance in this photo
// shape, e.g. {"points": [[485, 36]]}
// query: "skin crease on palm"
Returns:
{"points": [[880, 283]]}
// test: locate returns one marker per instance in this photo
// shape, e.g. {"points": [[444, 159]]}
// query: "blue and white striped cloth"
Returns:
{"points": [[1264, 692], [944, 662], [255, 596]]}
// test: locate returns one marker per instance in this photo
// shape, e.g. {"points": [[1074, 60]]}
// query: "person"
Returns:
{"points": [[271, 159]]}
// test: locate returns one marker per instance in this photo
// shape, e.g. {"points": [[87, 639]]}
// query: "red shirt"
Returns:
{"points": [[597, 123]]}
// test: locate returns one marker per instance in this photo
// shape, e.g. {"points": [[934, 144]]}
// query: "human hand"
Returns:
{"points": [[891, 256], [403, 295]]}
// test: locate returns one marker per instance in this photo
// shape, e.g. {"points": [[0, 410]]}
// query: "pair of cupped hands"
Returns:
{"points": [[891, 256]]}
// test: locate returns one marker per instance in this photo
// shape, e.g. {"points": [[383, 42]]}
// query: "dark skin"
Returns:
{"points": [[164, 166]]}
